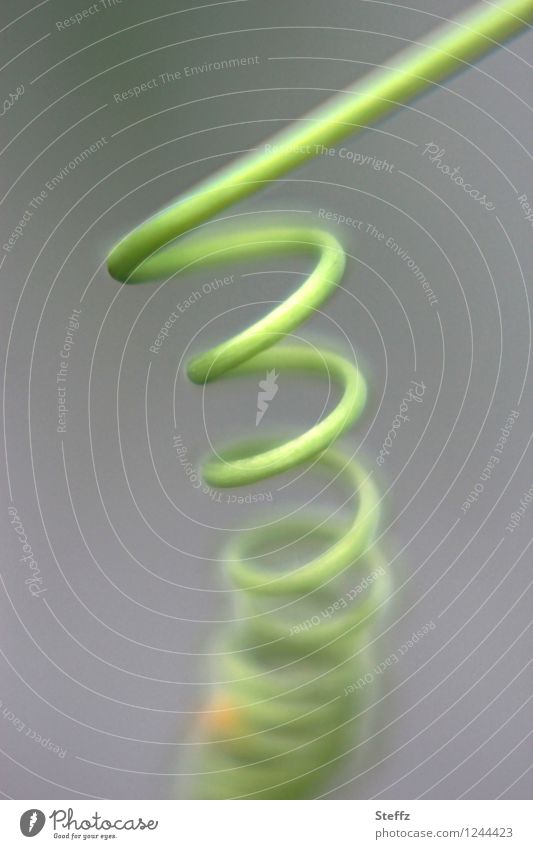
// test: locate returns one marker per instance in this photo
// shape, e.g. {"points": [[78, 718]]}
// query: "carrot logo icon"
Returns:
{"points": [[32, 822], [268, 390]]}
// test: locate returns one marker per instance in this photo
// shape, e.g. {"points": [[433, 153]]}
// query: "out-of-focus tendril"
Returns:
{"points": [[280, 720]]}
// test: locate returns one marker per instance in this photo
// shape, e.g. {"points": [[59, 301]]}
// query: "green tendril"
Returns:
{"points": [[281, 716]]}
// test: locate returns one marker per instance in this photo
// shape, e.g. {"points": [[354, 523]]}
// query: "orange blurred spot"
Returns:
{"points": [[222, 716]]}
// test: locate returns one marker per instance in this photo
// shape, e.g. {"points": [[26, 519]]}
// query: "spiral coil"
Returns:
{"points": [[281, 718]]}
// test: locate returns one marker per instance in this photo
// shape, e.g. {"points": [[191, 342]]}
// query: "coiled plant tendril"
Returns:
{"points": [[281, 721]]}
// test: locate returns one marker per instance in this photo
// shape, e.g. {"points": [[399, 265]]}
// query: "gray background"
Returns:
{"points": [[110, 659]]}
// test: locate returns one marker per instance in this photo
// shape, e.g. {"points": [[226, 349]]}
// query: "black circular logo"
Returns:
{"points": [[32, 822]]}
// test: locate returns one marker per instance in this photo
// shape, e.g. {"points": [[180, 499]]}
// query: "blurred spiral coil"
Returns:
{"points": [[280, 719]]}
